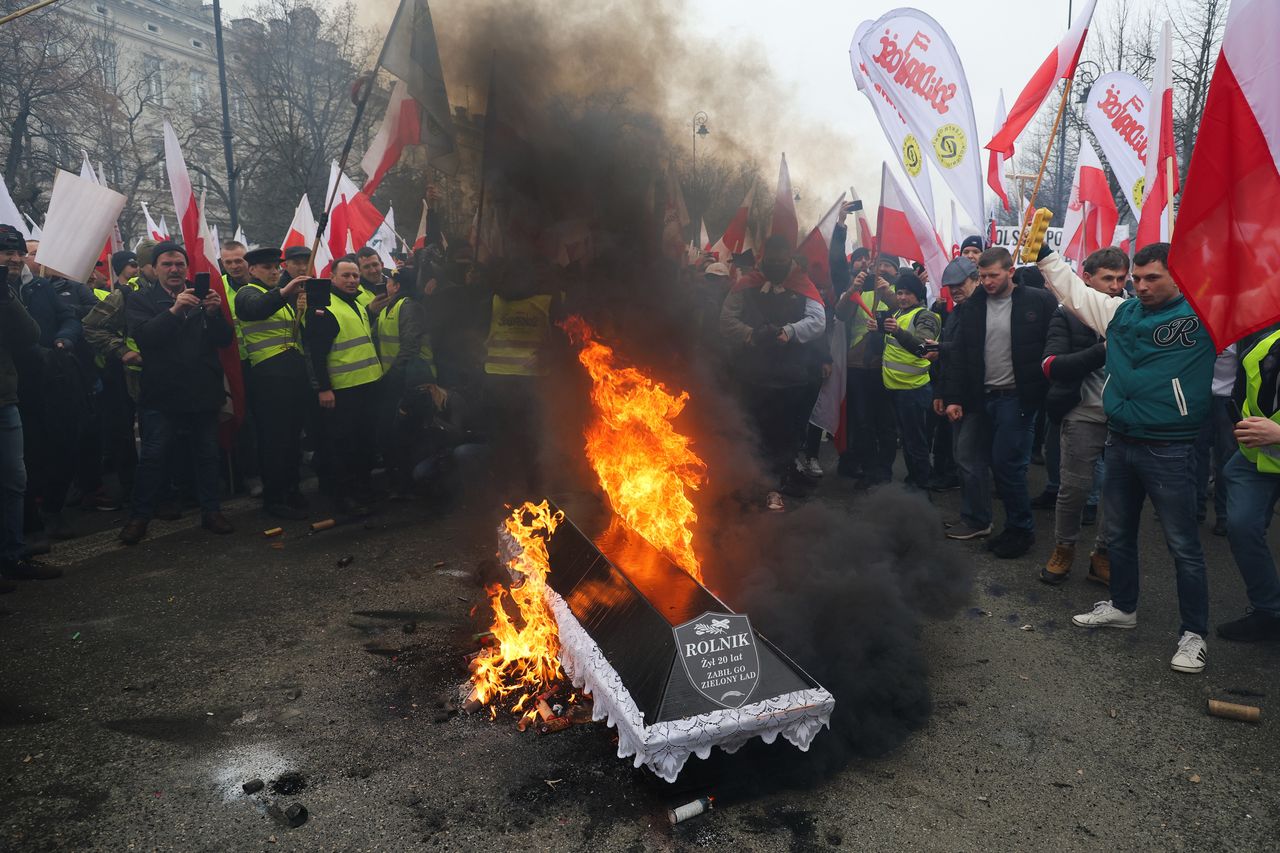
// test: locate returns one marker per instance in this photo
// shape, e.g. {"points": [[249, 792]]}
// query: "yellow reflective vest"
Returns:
{"points": [[1266, 458], [264, 339], [389, 336], [230, 293], [353, 360], [902, 369], [518, 332]]}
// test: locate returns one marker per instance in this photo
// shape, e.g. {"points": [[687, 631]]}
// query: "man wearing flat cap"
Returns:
{"points": [[280, 394], [182, 388]]}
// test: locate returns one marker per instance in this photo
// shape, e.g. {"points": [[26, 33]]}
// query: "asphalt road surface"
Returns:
{"points": [[140, 691]]}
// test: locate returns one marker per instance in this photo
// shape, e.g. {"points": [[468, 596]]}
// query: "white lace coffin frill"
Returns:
{"points": [[665, 747]]}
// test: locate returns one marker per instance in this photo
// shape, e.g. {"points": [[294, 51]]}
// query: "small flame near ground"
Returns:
{"points": [[646, 469], [524, 657]]}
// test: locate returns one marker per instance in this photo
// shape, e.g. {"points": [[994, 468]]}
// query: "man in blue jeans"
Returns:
{"points": [[1253, 485], [1159, 368], [992, 388], [179, 335]]}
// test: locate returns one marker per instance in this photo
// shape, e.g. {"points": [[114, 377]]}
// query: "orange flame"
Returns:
{"points": [[646, 468], [524, 657]]}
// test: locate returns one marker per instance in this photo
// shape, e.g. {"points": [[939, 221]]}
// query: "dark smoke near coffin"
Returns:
{"points": [[844, 592]]}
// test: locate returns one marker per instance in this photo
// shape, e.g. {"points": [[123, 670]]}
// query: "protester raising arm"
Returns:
{"points": [[1094, 309]]}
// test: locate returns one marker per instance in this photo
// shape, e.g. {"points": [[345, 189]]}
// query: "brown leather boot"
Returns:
{"points": [[134, 531], [1100, 568], [216, 522], [1059, 566]]}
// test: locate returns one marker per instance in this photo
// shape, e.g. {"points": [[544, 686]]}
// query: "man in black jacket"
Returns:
{"points": [[182, 388], [993, 387], [1075, 359]]}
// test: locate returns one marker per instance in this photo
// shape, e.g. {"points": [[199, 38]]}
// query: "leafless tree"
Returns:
{"points": [[1197, 36]]}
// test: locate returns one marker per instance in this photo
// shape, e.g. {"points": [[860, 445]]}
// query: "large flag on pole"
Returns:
{"points": [[995, 162], [1116, 112], [911, 58], [904, 143], [1161, 178], [1226, 253], [154, 230], [816, 249], [903, 229], [1060, 64], [784, 220], [352, 212], [202, 258], [1091, 217], [402, 126], [413, 55]]}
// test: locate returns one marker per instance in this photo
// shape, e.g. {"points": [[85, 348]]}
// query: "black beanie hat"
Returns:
{"points": [[910, 282], [972, 240], [11, 239], [121, 259], [163, 248]]}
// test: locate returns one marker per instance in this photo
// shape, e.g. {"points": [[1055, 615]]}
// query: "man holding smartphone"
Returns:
{"points": [[178, 334], [339, 341]]}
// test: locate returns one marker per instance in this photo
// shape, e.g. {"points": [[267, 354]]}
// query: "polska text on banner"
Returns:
{"points": [[1116, 110], [909, 55]]}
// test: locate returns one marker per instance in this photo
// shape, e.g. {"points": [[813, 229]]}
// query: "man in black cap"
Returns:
{"points": [[297, 262], [182, 387], [959, 280], [906, 372], [124, 266], [971, 247], [280, 394]]}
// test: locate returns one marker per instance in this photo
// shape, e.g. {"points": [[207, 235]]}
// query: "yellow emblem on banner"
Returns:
{"points": [[950, 144], [912, 159], [1138, 187]]}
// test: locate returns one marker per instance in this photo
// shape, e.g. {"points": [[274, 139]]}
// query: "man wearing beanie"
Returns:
{"points": [[971, 248], [906, 373], [182, 388], [124, 266]]}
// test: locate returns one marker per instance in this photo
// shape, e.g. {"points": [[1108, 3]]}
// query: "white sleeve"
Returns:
{"points": [[812, 325], [1094, 309]]}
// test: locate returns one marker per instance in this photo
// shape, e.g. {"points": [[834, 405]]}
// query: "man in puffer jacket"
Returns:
{"points": [[1160, 368]]}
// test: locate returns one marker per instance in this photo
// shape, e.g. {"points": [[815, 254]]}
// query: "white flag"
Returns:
{"points": [[81, 216]]}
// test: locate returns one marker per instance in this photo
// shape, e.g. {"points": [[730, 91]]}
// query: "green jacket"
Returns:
{"points": [[1159, 361]]}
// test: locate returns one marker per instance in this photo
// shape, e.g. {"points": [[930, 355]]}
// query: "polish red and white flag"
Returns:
{"points": [[1226, 250], [1161, 181], [903, 230], [735, 236], [995, 162], [1060, 64], [302, 230], [1090, 223], [401, 127], [154, 230], [863, 238]]}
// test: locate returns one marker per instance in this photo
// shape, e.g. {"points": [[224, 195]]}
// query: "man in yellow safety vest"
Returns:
{"points": [[906, 373]]}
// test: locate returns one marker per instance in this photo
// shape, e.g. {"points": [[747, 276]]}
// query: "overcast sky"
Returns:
{"points": [[806, 43]]}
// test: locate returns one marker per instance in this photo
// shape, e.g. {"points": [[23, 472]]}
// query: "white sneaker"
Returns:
{"points": [[773, 502], [1190, 656], [1104, 615]]}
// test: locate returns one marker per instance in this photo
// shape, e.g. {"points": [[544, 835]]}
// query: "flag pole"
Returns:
{"points": [[34, 7], [323, 222], [1031, 205], [1168, 193]]}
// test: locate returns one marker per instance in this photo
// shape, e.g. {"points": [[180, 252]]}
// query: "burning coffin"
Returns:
{"points": [[667, 664]]}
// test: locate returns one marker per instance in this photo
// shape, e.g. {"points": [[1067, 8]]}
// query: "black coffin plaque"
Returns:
{"points": [[630, 598]]}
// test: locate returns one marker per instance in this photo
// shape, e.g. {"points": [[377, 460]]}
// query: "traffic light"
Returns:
{"points": [[1036, 233]]}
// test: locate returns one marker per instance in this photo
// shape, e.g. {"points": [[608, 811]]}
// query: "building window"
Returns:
{"points": [[152, 28], [199, 89], [153, 78], [197, 43]]}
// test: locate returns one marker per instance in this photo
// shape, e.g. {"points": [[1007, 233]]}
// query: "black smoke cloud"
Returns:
{"points": [[842, 591]]}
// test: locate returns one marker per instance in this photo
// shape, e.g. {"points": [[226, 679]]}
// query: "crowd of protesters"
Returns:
{"points": [[431, 372]]}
